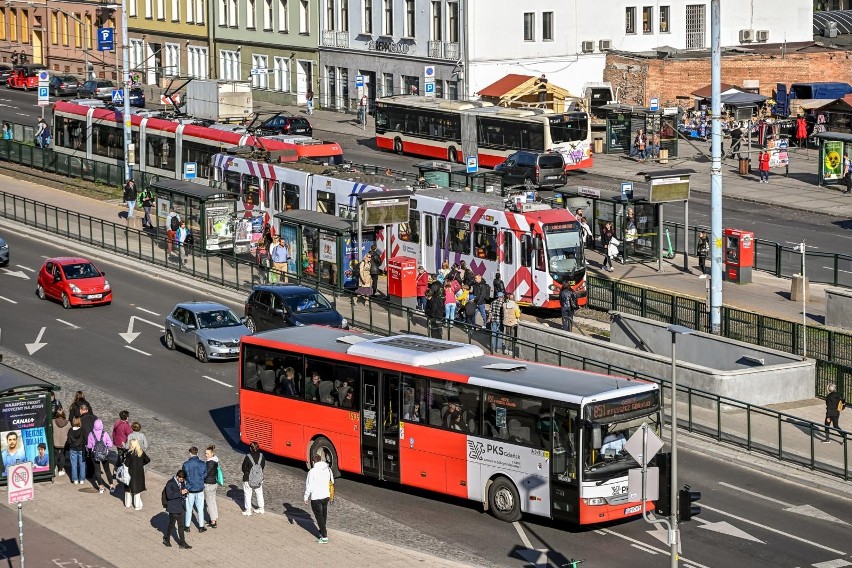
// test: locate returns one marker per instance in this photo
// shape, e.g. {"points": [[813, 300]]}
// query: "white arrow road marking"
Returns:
{"points": [[776, 531], [68, 323], [130, 335], [728, 529], [4, 298], [22, 267], [147, 311], [534, 556], [661, 534], [16, 273], [807, 510], [643, 549], [223, 383], [659, 550], [839, 563], [37, 344], [138, 350]]}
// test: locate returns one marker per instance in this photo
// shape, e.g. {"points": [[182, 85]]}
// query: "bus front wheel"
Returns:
{"points": [[325, 448], [504, 501], [452, 155], [397, 146]]}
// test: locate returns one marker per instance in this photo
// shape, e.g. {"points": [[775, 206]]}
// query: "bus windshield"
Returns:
{"points": [[564, 251], [612, 459], [569, 128]]}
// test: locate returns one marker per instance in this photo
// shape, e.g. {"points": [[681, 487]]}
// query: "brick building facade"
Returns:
{"points": [[636, 78]]}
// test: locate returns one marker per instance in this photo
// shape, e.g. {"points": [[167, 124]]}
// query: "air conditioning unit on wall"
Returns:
{"points": [[588, 46], [605, 44], [762, 35], [746, 36]]}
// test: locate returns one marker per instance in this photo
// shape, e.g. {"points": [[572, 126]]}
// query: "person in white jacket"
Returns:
{"points": [[318, 492]]}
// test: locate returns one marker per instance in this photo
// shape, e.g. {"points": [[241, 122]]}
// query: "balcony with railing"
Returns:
{"points": [[328, 39], [443, 50], [342, 39], [451, 50]]}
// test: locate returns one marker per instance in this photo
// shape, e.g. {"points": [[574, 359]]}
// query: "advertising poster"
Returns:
{"points": [[22, 432], [289, 234], [832, 164], [218, 227], [163, 208], [328, 252]]}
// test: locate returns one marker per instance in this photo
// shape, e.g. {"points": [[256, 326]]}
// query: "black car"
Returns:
{"points": [[286, 305], [5, 71], [286, 124], [545, 169], [61, 85], [137, 97], [99, 89]]}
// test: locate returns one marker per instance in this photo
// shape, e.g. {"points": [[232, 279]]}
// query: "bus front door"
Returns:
{"points": [[564, 486], [380, 425]]}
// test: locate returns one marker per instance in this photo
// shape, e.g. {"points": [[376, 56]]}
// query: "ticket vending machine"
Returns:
{"points": [[739, 255]]}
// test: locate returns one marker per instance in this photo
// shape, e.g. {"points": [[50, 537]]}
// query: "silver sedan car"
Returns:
{"points": [[210, 330]]}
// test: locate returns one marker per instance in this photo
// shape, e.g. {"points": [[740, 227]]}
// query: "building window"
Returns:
{"points": [[161, 10], [13, 25], [2, 23], [131, 8], [233, 20], [190, 11], [261, 80], [54, 27], [343, 24], [409, 18], [695, 26], [25, 26], [547, 26], [304, 17], [329, 15], [529, 26], [199, 11], [64, 30], [282, 74], [267, 15], [149, 9], [453, 90], [387, 84], [283, 19], [172, 59], [135, 57], [175, 10], [664, 19], [91, 31], [229, 65], [197, 61], [367, 24], [437, 23], [630, 20], [647, 19], [78, 33], [387, 28], [250, 15], [453, 21]]}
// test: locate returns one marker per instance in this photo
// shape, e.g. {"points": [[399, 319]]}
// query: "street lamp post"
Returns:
{"points": [[674, 539], [126, 81]]}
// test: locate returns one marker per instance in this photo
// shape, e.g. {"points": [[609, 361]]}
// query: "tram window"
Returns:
{"points": [[232, 181], [508, 250], [427, 231], [108, 141], [269, 193], [291, 196], [252, 192], [526, 250], [485, 241], [539, 253], [442, 233], [459, 236], [410, 232], [325, 202]]}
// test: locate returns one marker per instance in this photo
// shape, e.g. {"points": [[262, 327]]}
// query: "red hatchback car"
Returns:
{"points": [[74, 281]]}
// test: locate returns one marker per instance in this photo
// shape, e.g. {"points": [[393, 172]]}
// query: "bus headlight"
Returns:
{"points": [[595, 501]]}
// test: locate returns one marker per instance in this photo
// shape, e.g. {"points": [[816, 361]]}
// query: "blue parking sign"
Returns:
{"points": [[106, 39]]}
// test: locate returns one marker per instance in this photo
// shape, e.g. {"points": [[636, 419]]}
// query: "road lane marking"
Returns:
{"points": [[753, 494], [138, 350], [776, 531], [839, 563], [28, 269], [807, 510], [147, 311], [68, 323], [4, 298], [660, 550], [223, 383], [644, 549]]}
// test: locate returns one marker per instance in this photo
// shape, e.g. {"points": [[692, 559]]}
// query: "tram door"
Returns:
{"points": [[380, 424]]}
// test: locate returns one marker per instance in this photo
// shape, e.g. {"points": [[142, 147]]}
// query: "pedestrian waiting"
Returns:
{"points": [[319, 487]]}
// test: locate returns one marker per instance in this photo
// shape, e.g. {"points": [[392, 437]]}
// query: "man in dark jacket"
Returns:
{"points": [[567, 301], [195, 472], [481, 292], [87, 419], [129, 198], [434, 313], [833, 403], [375, 268], [175, 495]]}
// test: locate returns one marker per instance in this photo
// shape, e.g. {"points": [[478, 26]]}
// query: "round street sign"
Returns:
{"points": [[44, 75]]}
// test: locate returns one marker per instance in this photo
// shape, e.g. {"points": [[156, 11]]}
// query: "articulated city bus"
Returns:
{"points": [[439, 415], [438, 128], [532, 246]]}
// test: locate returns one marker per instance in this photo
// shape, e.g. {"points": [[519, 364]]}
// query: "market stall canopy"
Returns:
{"points": [[523, 91], [813, 104], [740, 99], [707, 92]]}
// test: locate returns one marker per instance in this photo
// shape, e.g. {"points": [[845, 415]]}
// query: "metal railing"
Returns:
{"points": [[757, 429]]}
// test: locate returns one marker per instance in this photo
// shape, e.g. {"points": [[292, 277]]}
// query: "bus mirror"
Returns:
{"points": [[596, 437]]}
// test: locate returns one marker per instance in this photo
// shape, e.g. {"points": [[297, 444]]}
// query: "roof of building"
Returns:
{"points": [[502, 86], [706, 92], [843, 18]]}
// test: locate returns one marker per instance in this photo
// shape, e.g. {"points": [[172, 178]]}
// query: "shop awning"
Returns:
{"points": [[810, 104], [707, 92], [740, 99], [523, 91]]}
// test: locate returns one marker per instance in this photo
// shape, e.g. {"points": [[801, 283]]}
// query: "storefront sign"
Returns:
{"points": [[387, 46]]}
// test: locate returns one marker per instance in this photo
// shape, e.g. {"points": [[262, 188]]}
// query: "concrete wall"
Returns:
{"points": [[838, 308], [783, 378]]}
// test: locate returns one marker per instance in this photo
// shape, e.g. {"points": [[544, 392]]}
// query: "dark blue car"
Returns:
{"points": [[137, 97]]}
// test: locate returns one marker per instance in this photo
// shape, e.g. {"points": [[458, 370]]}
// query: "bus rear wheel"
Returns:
{"points": [[325, 448], [397, 145], [452, 155], [504, 501]]}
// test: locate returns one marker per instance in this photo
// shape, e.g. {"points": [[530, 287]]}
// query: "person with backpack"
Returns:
{"points": [[511, 320], [195, 471], [99, 444], [567, 304], [212, 480], [182, 242], [147, 199], [318, 492], [135, 460], [76, 448], [173, 497], [173, 224], [495, 320], [834, 403], [120, 431], [253, 465]]}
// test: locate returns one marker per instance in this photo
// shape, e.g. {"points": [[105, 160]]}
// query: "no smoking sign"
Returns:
{"points": [[20, 482]]}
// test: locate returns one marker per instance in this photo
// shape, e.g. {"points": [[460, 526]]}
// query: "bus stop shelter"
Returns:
{"points": [[832, 147], [210, 213], [26, 422], [622, 122], [456, 176]]}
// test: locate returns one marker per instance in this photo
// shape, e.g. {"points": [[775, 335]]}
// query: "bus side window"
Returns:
{"points": [[526, 250]]}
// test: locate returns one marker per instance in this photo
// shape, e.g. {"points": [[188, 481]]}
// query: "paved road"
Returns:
{"points": [[173, 385]]}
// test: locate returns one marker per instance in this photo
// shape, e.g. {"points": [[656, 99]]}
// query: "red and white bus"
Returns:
{"points": [[532, 246], [439, 415], [163, 146], [438, 128]]}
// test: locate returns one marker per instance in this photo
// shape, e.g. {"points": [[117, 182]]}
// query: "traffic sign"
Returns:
{"points": [[626, 190], [359, 80], [190, 170], [43, 95], [634, 445], [106, 39], [43, 77], [259, 71], [429, 89], [429, 72], [117, 97], [655, 105], [472, 165], [20, 482]]}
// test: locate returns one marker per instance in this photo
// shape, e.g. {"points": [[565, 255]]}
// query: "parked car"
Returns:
{"points": [[210, 330], [538, 169], [273, 306], [4, 252], [74, 281], [61, 85], [286, 124], [24, 76], [137, 97], [5, 71], [97, 89]]}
